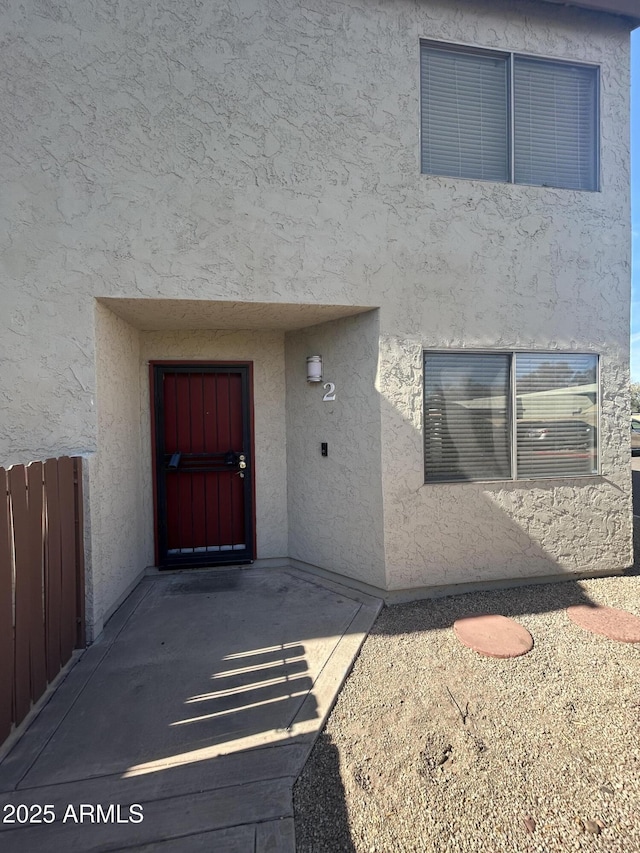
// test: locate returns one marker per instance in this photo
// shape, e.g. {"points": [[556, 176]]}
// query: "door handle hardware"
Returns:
{"points": [[174, 461]]}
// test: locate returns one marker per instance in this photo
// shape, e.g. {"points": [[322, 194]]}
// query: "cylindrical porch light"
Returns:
{"points": [[314, 368]]}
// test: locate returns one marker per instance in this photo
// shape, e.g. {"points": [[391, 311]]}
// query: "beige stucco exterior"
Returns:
{"points": [[116, 508], [233, 181], [336, 516]]}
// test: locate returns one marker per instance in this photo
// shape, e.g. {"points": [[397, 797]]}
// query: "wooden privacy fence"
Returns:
{"points": [[41, 580]]}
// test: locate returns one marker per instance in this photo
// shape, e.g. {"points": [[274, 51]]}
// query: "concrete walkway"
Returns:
{"points": [[198, 705]]}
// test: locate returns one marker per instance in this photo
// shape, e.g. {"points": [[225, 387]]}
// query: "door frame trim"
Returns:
{"points": [[178, 363]]}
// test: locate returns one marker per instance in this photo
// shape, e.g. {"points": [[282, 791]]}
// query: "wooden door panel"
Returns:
{"points": [[182, 413], [223, 404], [204, 495], [170, 405], [211, 442], [196, 403]]}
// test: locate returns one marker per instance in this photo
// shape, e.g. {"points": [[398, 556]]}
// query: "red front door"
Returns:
{"points": [[204, 464]]}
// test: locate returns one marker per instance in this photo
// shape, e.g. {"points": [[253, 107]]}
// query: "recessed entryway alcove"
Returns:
{"points": [[131, 334]]}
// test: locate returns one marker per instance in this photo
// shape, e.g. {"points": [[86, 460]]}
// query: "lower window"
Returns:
{"points": [[499, 416]]}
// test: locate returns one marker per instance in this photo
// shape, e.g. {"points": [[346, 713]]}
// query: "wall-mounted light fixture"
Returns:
{"points": [[314, 368]]}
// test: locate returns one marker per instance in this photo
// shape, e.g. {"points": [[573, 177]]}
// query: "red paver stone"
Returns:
{"points": [[493, 635], [609, 621]]}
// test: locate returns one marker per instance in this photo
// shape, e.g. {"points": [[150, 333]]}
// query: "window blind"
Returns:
{"points": [[464, 114], [466, 416], [556, 405], [468, 129], [473, 414], [555, 115]]}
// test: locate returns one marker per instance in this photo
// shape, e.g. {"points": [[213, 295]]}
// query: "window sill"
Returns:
{"points": [[524, 481]]}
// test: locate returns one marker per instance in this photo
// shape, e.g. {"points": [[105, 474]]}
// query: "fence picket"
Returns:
{"points": [[35, 486], [20, 512], [53, 569], [41, 580], [66, 493], [81, 636], [6, 612]]}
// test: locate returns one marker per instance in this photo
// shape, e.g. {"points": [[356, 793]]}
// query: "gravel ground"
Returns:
{"points": [[431, 747]]}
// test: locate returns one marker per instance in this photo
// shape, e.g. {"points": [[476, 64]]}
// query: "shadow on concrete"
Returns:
{"points": [[200, 703], [249, 690]]}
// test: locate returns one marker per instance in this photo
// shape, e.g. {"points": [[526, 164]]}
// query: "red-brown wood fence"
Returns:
{"points": [[41, 580]]}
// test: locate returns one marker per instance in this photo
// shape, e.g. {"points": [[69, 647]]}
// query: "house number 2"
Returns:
{"points": [[330, 388]]}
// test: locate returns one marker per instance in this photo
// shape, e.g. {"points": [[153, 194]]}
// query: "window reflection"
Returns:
{"points": [[557, 415], [473, 414]]}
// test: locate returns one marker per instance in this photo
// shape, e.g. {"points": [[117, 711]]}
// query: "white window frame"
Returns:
{"points": [[511, 414], [511, 57]]}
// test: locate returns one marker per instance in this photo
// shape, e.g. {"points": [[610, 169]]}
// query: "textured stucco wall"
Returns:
{"points": [[513, 267], [47, 382], [462, 533], [266, 350], [115, 494], [335, 502], [269, 152]]}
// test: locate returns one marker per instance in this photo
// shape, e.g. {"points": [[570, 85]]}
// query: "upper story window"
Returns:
{"points": [[504, 117]]}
